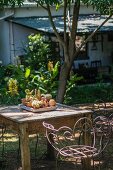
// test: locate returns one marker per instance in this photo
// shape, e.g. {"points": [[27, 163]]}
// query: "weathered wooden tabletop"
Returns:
{"points": [[18, 115]]}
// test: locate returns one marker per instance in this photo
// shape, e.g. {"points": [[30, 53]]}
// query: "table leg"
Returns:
{"points": [[24, 145]]}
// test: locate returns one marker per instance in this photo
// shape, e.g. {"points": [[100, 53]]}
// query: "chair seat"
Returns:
{"points": [[78, 151]]}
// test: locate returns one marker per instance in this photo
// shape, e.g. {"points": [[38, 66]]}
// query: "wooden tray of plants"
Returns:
{"points": [[36, 102]]}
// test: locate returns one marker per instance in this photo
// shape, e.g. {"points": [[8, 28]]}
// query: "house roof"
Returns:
{"points": [[87, 23]]}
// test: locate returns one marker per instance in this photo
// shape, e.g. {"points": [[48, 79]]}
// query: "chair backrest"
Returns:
{"points": [[101, 104], [82, 130], [98, 104], [102, 130], [60, 137], [111, 120], [66, 136], [100, 108], [84, 133]]}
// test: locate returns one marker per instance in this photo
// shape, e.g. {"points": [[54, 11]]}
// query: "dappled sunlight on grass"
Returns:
{"points": [[11, 143], [10, 138]]}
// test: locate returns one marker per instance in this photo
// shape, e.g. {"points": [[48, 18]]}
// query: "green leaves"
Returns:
{"points": [[47, 80], [71, 83], [11, 3], [104, 6], [27, 72], [37, 51], [55, 70]]}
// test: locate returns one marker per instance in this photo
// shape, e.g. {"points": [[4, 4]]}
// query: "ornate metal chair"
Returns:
{"points": [[102, 108], [110, 118], [80, 142]]}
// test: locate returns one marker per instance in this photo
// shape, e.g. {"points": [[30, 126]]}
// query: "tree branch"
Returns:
{"points": [[65, 7], [93, 33], [53, 26], [40, 4], [75, 18], [66, 56]]}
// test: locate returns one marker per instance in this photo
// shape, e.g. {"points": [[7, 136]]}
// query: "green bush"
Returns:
{"points": [[38, 52], [38, 71]]}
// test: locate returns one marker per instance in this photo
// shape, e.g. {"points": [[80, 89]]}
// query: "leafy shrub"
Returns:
{"points": [[36, 72], [47, 80], [38, 52]]}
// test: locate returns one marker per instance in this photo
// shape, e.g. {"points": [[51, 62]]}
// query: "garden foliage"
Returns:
{"points": [[37, 71]]}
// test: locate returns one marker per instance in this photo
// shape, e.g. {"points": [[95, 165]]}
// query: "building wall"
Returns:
{"points": [[4, 43], [20, 38], [13, 39], [33, 10], [102, 53], [108, 51]]}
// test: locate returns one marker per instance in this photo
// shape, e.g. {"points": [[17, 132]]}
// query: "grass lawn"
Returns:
{"points": [[90, 93], [10, 160]]}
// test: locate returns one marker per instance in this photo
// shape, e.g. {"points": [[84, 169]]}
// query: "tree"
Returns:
{"points": [[10, 3], [68, 40]]}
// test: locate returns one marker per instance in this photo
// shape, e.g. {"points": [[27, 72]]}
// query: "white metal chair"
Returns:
{"points": [[102, 109], [79, 142]]}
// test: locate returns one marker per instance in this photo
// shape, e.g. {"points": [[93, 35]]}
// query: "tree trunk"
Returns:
{"points": [[64, 75]]}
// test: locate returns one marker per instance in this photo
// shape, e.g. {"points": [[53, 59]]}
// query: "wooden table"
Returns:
{"points": [[26, 123]]}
